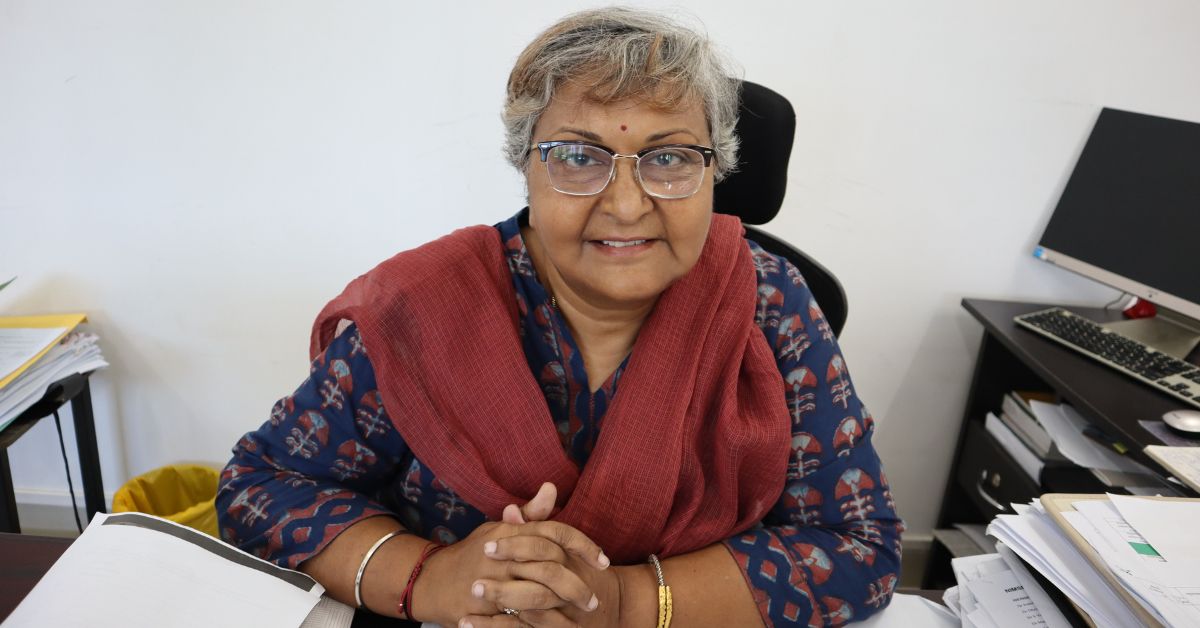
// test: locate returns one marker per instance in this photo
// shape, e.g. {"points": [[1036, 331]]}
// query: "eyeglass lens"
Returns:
{"points": [[579, 169]]}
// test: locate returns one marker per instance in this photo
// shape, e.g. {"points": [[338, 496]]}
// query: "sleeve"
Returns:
{"points": [[316, 466], [828, 553]]}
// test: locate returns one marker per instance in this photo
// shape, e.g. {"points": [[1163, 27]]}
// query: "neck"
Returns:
{"points": [[604, 335], [604, 331]]}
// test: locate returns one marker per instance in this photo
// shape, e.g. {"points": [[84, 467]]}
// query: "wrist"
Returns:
{"points": [[431, 598], [638, 597]]}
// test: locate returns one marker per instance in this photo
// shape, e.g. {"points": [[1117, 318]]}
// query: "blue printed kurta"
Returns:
{"points": [[328, 457]]}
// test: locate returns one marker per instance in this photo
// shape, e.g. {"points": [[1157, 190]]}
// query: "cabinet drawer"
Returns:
{"points": [[989, 476]]}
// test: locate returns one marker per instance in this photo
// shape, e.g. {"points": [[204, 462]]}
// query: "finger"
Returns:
{"points": [[491, 621], [547, 619], [512, 514], [563, 583], [534, 618], [520, 594], [571, 540], [542, 504], [539, 585], [525, 548]]}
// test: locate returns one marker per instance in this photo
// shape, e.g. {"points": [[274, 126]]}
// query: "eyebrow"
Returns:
{"points": [[581, 132], [652, 138], [662, 134]]}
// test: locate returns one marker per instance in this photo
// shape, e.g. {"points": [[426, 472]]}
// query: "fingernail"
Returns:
{"points": [[477, 589], [489, 548], [593, 603], [603, 560], [465, 624]]}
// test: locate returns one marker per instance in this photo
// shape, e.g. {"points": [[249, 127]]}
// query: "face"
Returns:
{"points": [[581, 242]]}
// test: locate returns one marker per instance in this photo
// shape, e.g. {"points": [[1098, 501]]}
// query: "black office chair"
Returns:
{"points": [[767, 126]]}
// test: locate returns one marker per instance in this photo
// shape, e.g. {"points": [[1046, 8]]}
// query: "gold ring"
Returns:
{"points": [[511, 611]]}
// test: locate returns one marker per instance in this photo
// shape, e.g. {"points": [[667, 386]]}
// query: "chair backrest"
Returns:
{"points": [[754, 193]]}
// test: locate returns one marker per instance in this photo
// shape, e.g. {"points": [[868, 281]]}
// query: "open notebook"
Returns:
{"points": [[132, 569]]}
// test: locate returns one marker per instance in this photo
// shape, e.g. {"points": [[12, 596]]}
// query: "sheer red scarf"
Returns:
{"points": [[693, 448]]}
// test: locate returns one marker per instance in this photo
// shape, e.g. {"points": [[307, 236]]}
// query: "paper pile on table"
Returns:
{"points": [[996, 591], [76, 353], [1124, 561]]}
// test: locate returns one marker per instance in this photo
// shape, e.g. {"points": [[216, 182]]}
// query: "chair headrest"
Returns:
{"points": [[766, 126]]}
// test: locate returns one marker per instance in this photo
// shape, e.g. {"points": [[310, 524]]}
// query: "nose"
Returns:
{"points": [[624, 198]]}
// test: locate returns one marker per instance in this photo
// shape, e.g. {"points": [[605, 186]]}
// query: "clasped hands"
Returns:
{"points": [[550, 572]]}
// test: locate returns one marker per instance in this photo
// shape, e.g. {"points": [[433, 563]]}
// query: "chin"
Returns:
{"points": [[633, 294]]}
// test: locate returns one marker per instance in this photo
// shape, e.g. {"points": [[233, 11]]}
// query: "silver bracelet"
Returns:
{"points": [[363, 566], [657, 570]]}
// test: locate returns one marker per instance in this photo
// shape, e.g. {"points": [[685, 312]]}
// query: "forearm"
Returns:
{"points": [[707, 588], [386, 575]]}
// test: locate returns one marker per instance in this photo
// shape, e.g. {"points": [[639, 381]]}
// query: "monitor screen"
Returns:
{"points": [[1131, 210]]}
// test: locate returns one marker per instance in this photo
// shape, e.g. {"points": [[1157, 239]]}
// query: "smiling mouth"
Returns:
{"points": [[622, 243]]}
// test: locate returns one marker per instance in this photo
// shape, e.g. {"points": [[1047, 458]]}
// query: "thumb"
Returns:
{"points": [[538, 508], [542, 504]]}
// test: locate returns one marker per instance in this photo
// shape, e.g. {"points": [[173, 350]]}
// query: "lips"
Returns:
{"points": [[622, 247]]}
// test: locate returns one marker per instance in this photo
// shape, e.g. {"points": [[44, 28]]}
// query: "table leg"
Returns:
{"points": [[8, 499], [89, 455]]}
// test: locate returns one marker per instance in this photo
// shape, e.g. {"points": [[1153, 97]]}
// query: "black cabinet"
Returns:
{"points": [[984, 479]]}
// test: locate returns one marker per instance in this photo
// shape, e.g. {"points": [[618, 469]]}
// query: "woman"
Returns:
{"points": [[460, 453]]}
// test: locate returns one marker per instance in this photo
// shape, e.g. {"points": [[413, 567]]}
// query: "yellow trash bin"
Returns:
{"points": [[183, 493]]}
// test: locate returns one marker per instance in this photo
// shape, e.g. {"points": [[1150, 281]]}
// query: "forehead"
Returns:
{"points": [[571, 107]]}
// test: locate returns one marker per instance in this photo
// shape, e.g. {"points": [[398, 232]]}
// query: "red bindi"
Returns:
{"points": [[623, 127]]}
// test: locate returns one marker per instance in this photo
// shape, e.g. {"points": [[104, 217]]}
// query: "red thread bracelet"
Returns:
{"points": [[405, 605]]}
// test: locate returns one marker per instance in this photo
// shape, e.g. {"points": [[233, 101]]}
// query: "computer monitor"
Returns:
{"points": [[1129, 217]]}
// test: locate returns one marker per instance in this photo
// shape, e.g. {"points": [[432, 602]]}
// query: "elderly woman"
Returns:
{"points": [[584, 415]]}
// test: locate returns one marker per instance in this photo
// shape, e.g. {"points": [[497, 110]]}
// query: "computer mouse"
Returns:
{"points": [[1186, 422]]}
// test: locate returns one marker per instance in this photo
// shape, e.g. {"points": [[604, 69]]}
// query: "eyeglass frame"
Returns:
{"points": [[544, 149]]}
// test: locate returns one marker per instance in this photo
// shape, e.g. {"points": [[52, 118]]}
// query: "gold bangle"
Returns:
{"points": [[665, 603]]}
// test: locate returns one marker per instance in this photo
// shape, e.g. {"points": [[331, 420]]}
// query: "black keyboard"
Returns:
{"points": [[1162, 371]]}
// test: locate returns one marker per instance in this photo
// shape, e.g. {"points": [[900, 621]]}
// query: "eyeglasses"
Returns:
{"points": [[583, 169]]}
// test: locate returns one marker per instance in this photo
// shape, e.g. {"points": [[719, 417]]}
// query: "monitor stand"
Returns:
{"points": [[1169, 332]]}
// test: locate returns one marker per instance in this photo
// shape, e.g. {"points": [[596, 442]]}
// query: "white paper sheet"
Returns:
{"points": [[990, 593], [1169, 526], [1183, 462], [122, 576], [19, 345], [1109, 531], [1065, 426], [1169, 592], [1049, 610], [1005, 600], [907, 611]]}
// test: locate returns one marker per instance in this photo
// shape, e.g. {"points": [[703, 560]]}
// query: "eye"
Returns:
{"points": [[574, 157], [666, 159], [670, 158]]}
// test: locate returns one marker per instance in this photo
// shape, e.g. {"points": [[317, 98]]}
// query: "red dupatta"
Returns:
{"points": [[693, 448]]}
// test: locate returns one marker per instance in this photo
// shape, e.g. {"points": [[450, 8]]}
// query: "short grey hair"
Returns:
{"points": [[618, 54]]}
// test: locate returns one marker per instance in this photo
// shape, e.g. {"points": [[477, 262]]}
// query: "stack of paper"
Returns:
{"points": [[1124, 561], [1151, 547], [32, 358], [132, 569], [1016, 412], [995, 590]]}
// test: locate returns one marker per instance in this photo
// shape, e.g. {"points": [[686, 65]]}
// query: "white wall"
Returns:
{"points": [[200, 177]]}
